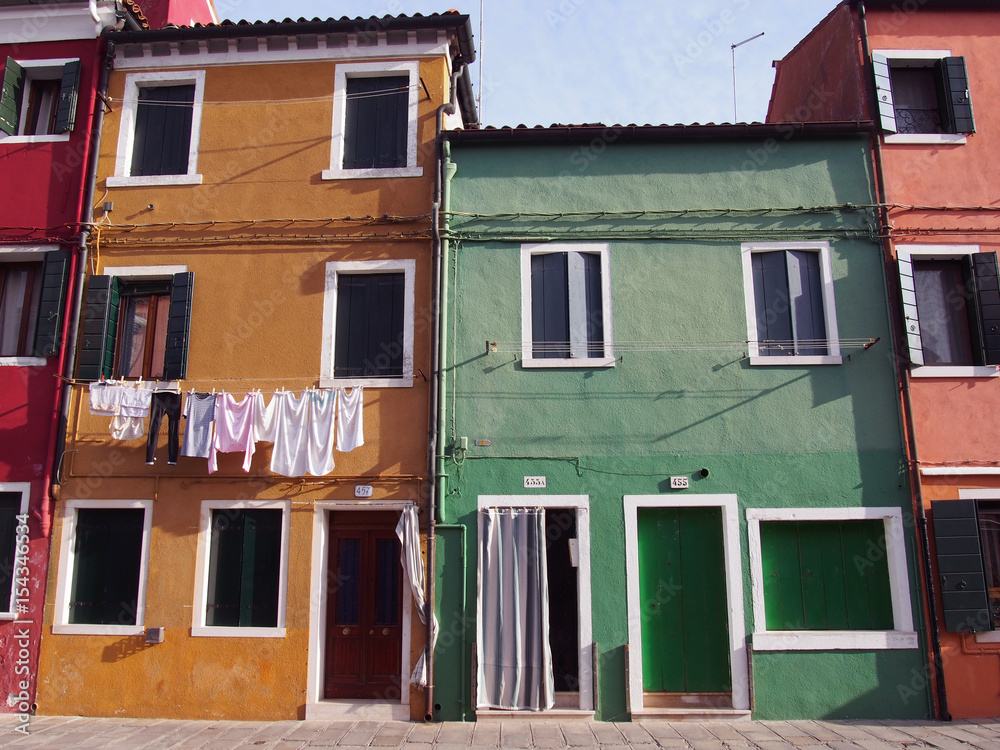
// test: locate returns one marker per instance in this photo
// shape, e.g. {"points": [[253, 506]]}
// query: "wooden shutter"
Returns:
{"points": [[375, 127], [595, 304], [10, 99], [960, 566], [550, 305], [805, 297], [883, 92], [162, 142], [987, 276], [179, 326], [771, 304], [957, 101], [911, 321], [369, 325], [55, 278], [106, 566], [100, 328], [68, 93]]}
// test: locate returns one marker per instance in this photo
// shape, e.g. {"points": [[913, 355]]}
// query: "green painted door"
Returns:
{"points": [[682, 588]]}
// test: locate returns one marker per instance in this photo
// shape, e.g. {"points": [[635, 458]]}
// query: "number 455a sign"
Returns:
{"points": [[534, 483]]}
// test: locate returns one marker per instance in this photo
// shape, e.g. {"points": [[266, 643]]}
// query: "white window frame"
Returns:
{"points": [[918, 56], [829, 304], [67, 558], [202, 570], [134, 82], [901, 636], [527, 343], [580, 504], [49, 67], [343, 72], [25, 489], [19, 254], [333, 269], [944, 252]]}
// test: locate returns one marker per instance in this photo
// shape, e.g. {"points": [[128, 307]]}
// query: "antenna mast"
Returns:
{"points": [[733, 47]]}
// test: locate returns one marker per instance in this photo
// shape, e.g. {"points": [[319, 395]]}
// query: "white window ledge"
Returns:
{"points": [[155, 179], [58, 138], [98, 630], [955, 371], [8, 616], [941, 139], [361, 174], [23, 361], [366, 382], [833, 640], [230, 632], [558, 363], [796, 360], [990, 636]]}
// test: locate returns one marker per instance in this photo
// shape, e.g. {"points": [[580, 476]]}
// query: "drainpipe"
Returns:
{"points": [[438, 358], [71, 325], [903, 385]]}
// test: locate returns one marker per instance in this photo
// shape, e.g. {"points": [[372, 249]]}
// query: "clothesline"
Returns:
{"points": [[192, 385]]}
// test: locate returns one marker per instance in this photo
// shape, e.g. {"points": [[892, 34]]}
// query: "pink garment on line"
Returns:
{"points": [[235, 427]]}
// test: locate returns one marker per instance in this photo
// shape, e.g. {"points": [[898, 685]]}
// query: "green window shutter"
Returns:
{"points": [[10, 100], [179, 326], [883, 92], [957, 101], [960, 564], [987, 276], [244, 568], [100, 328], [106, 566], [911, 321], [68, 93], [55, 278]]}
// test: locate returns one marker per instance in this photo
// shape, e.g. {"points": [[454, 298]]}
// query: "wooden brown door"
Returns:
{"points": [[364, 607]]}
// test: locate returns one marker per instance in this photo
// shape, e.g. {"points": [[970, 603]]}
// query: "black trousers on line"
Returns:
{"points": [[166, 404]]}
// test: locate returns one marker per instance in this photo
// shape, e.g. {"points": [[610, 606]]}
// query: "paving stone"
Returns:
{"points": [[635, 734], [288, 745], [661, 730], [457, 733], [822, 731], [486, 735], [693, 730], [607, 733]]}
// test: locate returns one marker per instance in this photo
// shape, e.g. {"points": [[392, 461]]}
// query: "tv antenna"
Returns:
{"points": [[733, 47]]}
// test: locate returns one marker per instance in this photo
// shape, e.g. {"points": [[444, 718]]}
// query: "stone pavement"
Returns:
{"points": [[75, 733]]}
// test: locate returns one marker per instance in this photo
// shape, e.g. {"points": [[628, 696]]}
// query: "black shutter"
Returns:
{"points": [[179, 326], [595, 307], [376, 122], [550, 305], [960, 566], [55, 277], [987, 275], [957, 101], [162, 142], [10, 99], [369, 326], [100, 328], [773, 308], [68, 92]]}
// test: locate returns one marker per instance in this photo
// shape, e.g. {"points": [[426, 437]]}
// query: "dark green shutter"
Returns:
{"points": [[987, 275], [960, 565], [162, 143], [957, 101], [68, 93], [369, 325], [179, 326], [10, 100], [244, 569], [100, 328], [106, 566], [376, 122], [55, 278]]}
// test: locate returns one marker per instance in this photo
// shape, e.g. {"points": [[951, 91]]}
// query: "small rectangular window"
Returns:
{"points": [[107, 556], [20, 291], [244, 568], [142, 332], [923, 93], [10, 506], [376, 122], [369, 325], [788, 296], [39, 97], [943, 289], [162, 142]]}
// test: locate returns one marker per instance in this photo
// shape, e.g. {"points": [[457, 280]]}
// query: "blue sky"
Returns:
{"points": [[609, 61]]}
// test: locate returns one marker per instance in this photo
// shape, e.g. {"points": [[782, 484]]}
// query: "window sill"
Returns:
{"points": [[929, 139], [955, 371], [98, 630], [362, 174], [23, 361], [204, 631], [796, 360], [989, 636], [591, 362], [154, 179], [327, 382], [7, 616], [57, 138], [834, 640]]}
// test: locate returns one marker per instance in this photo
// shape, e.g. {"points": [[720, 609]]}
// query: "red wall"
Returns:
{"points": [[160, 13]]}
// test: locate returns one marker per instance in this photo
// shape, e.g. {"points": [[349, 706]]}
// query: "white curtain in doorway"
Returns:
{"points": [[515, 660], [408, 530]]}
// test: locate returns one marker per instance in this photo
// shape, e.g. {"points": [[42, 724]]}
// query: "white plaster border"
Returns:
{"points": [[581, 504], [734, 589], [24, 488], [198, 626], [318, 601], [902, 636], [64, 584]]}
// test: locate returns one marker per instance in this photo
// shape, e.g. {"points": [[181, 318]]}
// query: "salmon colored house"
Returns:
{"points": [[263, 249], [925, 73]]}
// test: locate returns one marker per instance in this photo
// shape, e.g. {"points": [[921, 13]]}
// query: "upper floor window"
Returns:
{"points": [[160, 129], [791, 316], [20, 286], [39, 98], [33, 283], [923, 96], [375, 109]]}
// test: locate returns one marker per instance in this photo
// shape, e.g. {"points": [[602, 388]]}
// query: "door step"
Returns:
{"points": [[361, 709], [690, 714], [551, 714]]}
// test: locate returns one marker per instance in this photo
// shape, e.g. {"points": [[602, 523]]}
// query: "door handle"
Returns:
{"points": [[385, 631], [371, 632]]}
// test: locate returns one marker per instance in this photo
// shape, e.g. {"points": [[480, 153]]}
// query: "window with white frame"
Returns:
{"points": [[791, 314], [160, 129], [375, 108], [13, 513], [368, 323], [39, 99], [33, 282], [103, 565], [951, 309], [240, 587], [566, 306], [923, 96], [829, 578]]}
